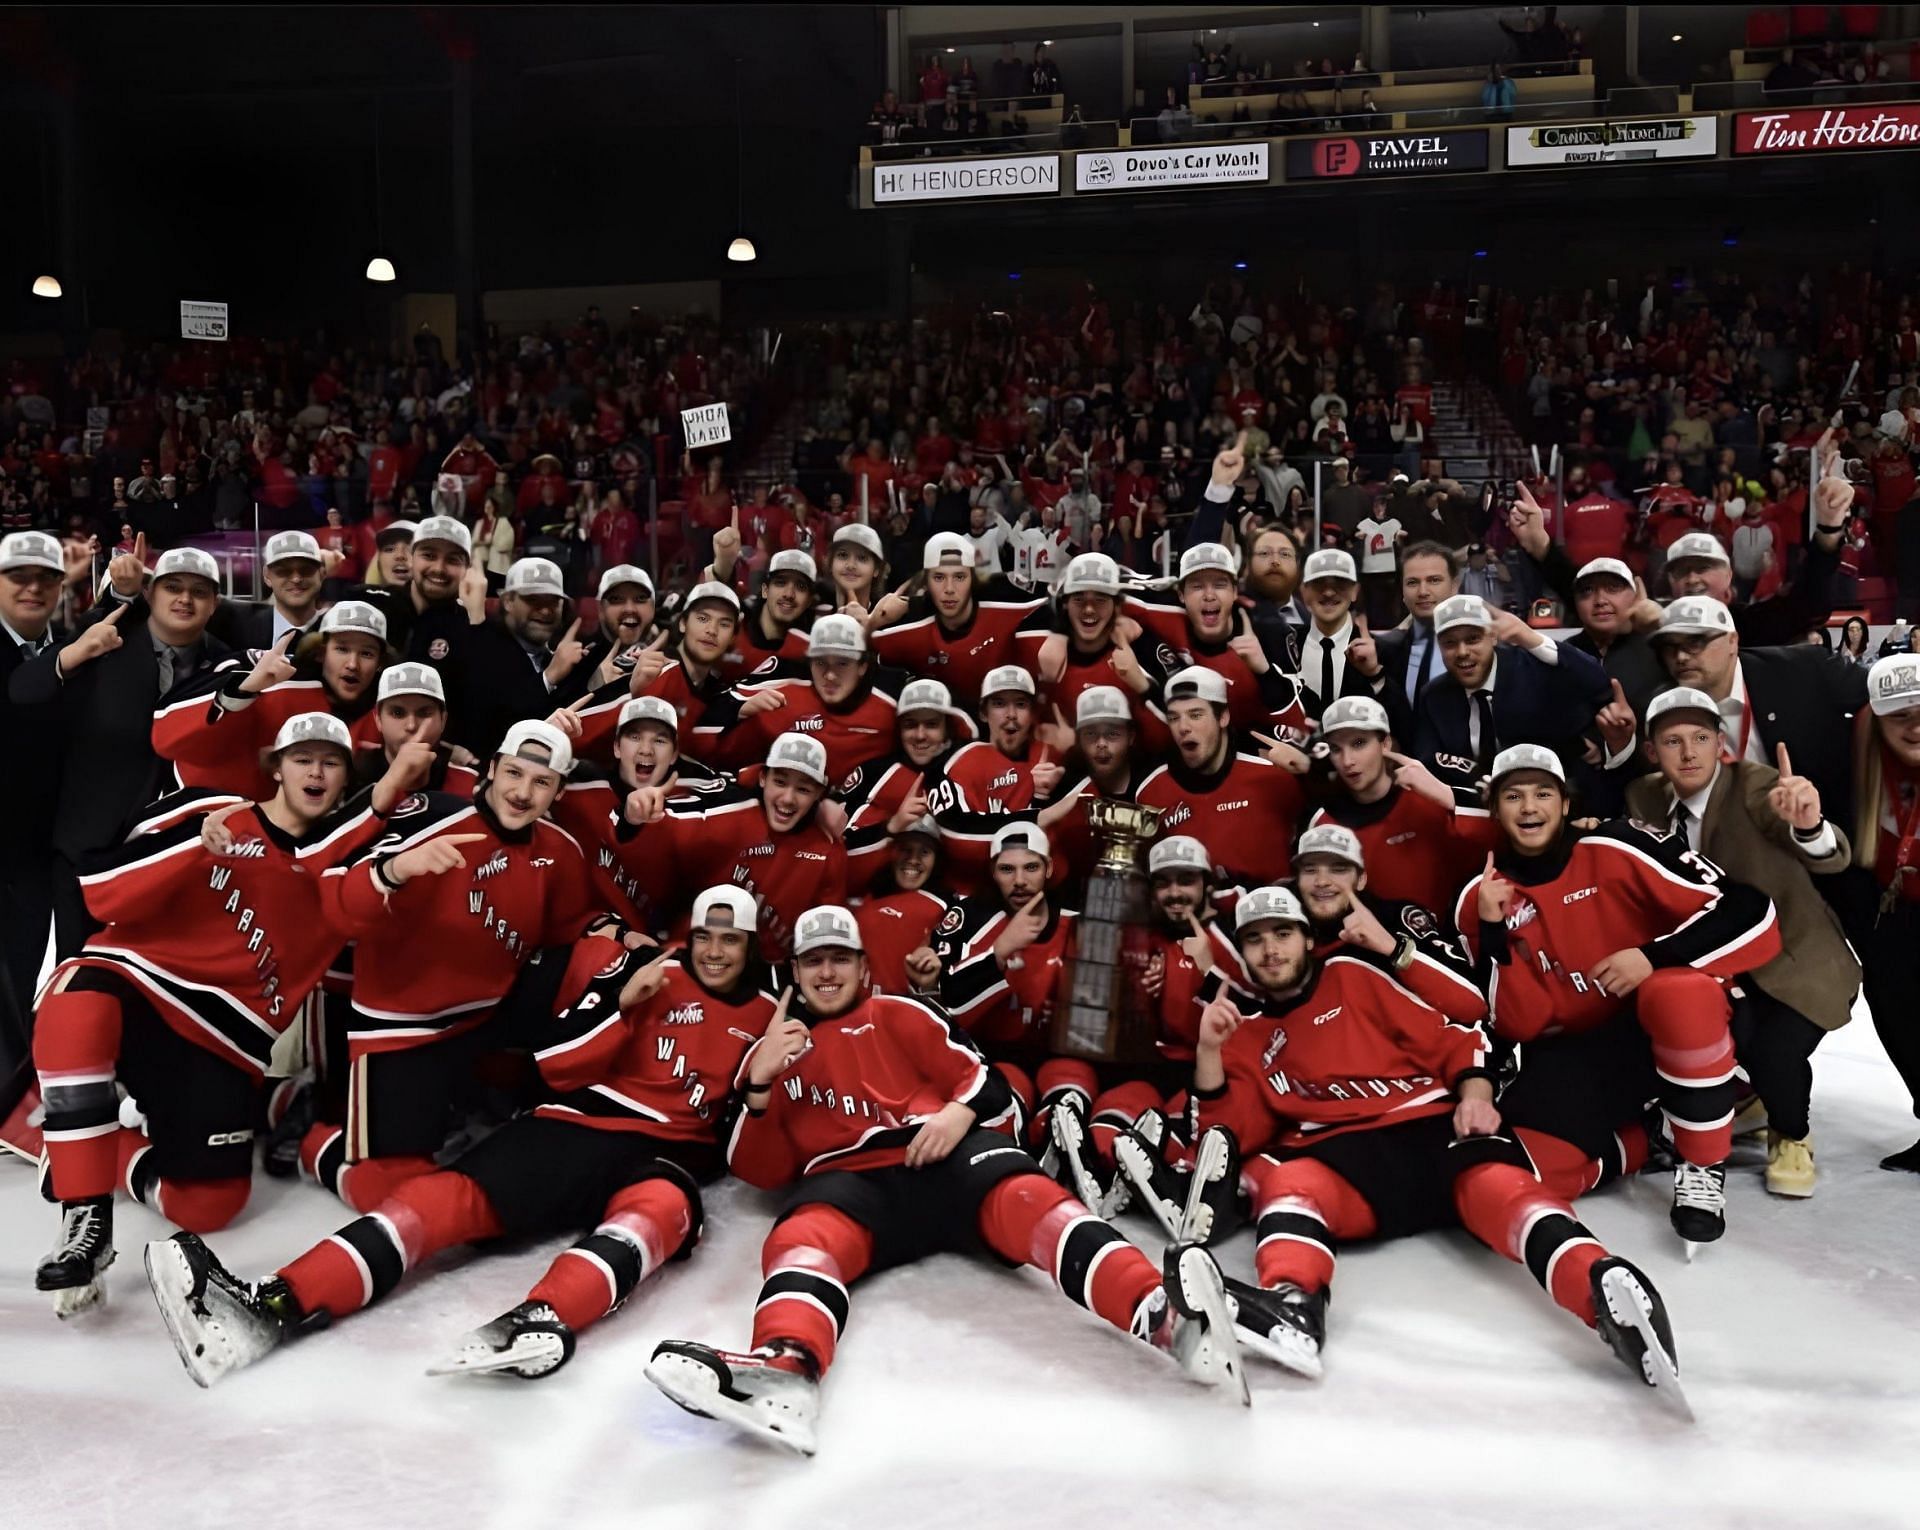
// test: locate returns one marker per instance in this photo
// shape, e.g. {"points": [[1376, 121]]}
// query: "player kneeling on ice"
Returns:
{"points": [[877, 1113], [638, 1073], [1370, 1112]]}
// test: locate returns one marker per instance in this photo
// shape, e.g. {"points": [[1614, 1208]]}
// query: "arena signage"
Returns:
{"points": [[1613, 143], [1380, 154], [1220, 164], [1815, 128], [202, 321], [949, 180]]}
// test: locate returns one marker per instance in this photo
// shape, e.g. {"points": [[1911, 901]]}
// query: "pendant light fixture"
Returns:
{"points": [[380, 268], [741, 250]]}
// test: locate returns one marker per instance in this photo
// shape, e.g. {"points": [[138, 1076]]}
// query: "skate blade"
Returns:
{"points": [[1656, 1370], [695, 1387], [170, 1280], [1196, 1217], [529, 1360], [1292, 1352], [1138, 1172], [1203, 1290], [1118, 1197], [1066, 1151]]}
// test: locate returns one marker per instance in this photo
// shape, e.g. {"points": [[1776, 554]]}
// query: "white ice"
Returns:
{"points": [[969, 1396]]}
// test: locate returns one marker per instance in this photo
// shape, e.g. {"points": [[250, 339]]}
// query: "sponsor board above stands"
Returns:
{"points": [[1817, 129], [949, 180], [1213, 164], [1613, 143], [1391, 153]]}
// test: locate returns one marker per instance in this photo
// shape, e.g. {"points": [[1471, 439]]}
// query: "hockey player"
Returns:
{"points": [[1606, 954], [1369, 1114], [765, 838], [901, 911], [1421, 843], [962, 628], [880, 1112], [1009, 772], [682, 667], [215, 741], [774, 626], [884, 795], [637, 1073], [205, 959], [1094, 649], [1239, 804], [412, 707], [481, 884], [1103, 765], [624, 614]]}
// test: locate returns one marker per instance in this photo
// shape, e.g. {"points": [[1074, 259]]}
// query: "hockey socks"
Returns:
{"points": [[807, 1264], [645, 1225], [1685, 1015], [1509, 1210], [364, 1260]]}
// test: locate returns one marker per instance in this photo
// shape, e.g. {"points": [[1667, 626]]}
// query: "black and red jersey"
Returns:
{"points": [[751, 650], [1623, 884], [959, 657], [1084, 671], [859, 1093], [215, 739], [1268, 703], [973, 793], [1005, 1009], [893, 925], [599, 711], [872, 793], [1244, 812], [1415, 850]]}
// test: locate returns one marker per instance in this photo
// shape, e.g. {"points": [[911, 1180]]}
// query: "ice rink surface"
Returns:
{"points": [[966, 1395]]}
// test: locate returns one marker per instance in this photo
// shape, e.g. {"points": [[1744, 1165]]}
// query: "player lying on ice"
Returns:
{"points": [[877, 1114], [638, 1072], [1357, 1081]]}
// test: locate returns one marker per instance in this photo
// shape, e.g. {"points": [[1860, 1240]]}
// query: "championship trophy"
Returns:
{"points": [[1106, 1014]]}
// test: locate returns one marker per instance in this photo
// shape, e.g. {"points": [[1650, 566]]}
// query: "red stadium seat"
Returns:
{"points": [[1860, 23], [1766, 29], [1808, 22]]}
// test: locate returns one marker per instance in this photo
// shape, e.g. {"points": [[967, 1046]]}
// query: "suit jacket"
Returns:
{"points": [[1395, 648], [1815, 972], [30, 763], [243, 624], [1352, 682], [492, 683], [1533, 703], [1788, 617], [102, 718]]}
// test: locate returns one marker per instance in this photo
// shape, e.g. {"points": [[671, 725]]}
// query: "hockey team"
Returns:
{"points": [[491, 938]]}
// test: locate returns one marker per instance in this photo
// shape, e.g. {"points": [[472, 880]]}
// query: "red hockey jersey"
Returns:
{"points": [[1416, 851], [1620, 885], [971, 795], [1006, 1009], [1269, 703], [1243, 813], [852, 734], [892, 927], [599, 711], [960, 657], [216, 747]]}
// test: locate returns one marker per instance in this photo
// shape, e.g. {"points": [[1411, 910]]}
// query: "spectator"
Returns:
{"points": [[1753, 552], [1498, 95], [1855, 645], [1007, 76], [1043, 78], [933, 81]]}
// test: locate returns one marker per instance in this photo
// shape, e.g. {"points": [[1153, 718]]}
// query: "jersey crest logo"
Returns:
{"points": [[415, 802], [767, 666], [851, 783], [438, 649], [1651, 830], [1522, 914], [1459, 762], [1167, 658], [492, 867], [950, 924], [1417, 922]]}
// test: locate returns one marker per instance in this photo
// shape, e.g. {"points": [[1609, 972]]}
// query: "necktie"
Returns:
{"points": [[164, 657], [1326, 669], [1733, 730], [1420, 671], [1683, 823], [1480, 723]]}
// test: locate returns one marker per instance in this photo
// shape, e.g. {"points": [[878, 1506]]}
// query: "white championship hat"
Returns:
{"points": [[404, 531], [790, 560], [924, 824], [536, 576], [1101, 704], [929, 696], [1461, 611], [285, 546], [444, 528], [863, 537], [1683, 698], [1329, 563], [837, 637], [946, 549], [1007, 677], [796, 751], [1527, 757], [827, 925], [1604, 568], [1197, 680], [1330, 839], [412, 680], [725, 907], [1020, 836], [534, 734], [355, 616], [653, 709], [1695, 614], [1703, 546], [1205, 556], [1893, 684], [712, 589], [312, 728], [1358, 712], [624, 573], [1178, 852], [30, 549], [1091, 573], [1267, 904], [188, 560]]}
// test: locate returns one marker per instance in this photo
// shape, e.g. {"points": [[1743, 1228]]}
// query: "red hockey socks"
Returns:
{"points": [[1685, 1015], [363, 1185], [364, 1260], [1509, 1210], [645, 1225], [1030, 1218], [1117, 1109], [76, 1042], [1302, 1209], [808, 1262]]}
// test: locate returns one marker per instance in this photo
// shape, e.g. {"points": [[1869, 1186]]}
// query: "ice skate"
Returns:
{"points": [[75, 1272], [529, 1342], [1160, 1186], [1699, 1204], [219, 1323], [1204, 1342], [1211, 1212], [1286, 1324], [1076, 1165], [749, 1392], [1790, 1169], [1629, 1315]]}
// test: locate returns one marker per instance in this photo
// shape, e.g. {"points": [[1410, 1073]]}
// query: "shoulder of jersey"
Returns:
{"points": [[1634, 833]]}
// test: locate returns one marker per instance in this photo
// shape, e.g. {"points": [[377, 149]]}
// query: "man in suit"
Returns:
{"points": [[1271, 586], [1800, 696], [513, 661], [1410, 653], [294, 571], [1507, 683], [1697, 564], [1337, 657], [1763, 827], [1610, 611], [100, 690]]}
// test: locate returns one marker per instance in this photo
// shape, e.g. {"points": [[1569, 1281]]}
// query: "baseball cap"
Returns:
{"points": [[285, 546], [1527, 757], [861, 536], [1178, 852], [1007, 677], [30, 549], [534, 734], [355, 616], [712, 589], [928, 696], [836, 637], [1020, 836], [1091, 574], [924, 824], [412, 680], [1461, 611], [947, 547], [1361, 712], [796, 751], [1329, 563], [1197, 681], [1695, 614], [188, 560], [725, 907], [623, 573], [827, 925], [1604, 568], [1893, 684], [1682, 698], [1330, 839], [1267, 904], [312, 728], [656, 709], [1702, 545], [444, 528], [1100, 704], [536, 576], [395, 531], [1203, 556], [790, 560]]}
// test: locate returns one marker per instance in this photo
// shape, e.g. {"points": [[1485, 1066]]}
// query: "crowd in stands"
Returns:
{"points": [[958, 104]]}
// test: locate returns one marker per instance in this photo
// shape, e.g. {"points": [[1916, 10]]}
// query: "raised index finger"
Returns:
{"points": [[572, 632], [1785, 760], [1240, 443]]}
